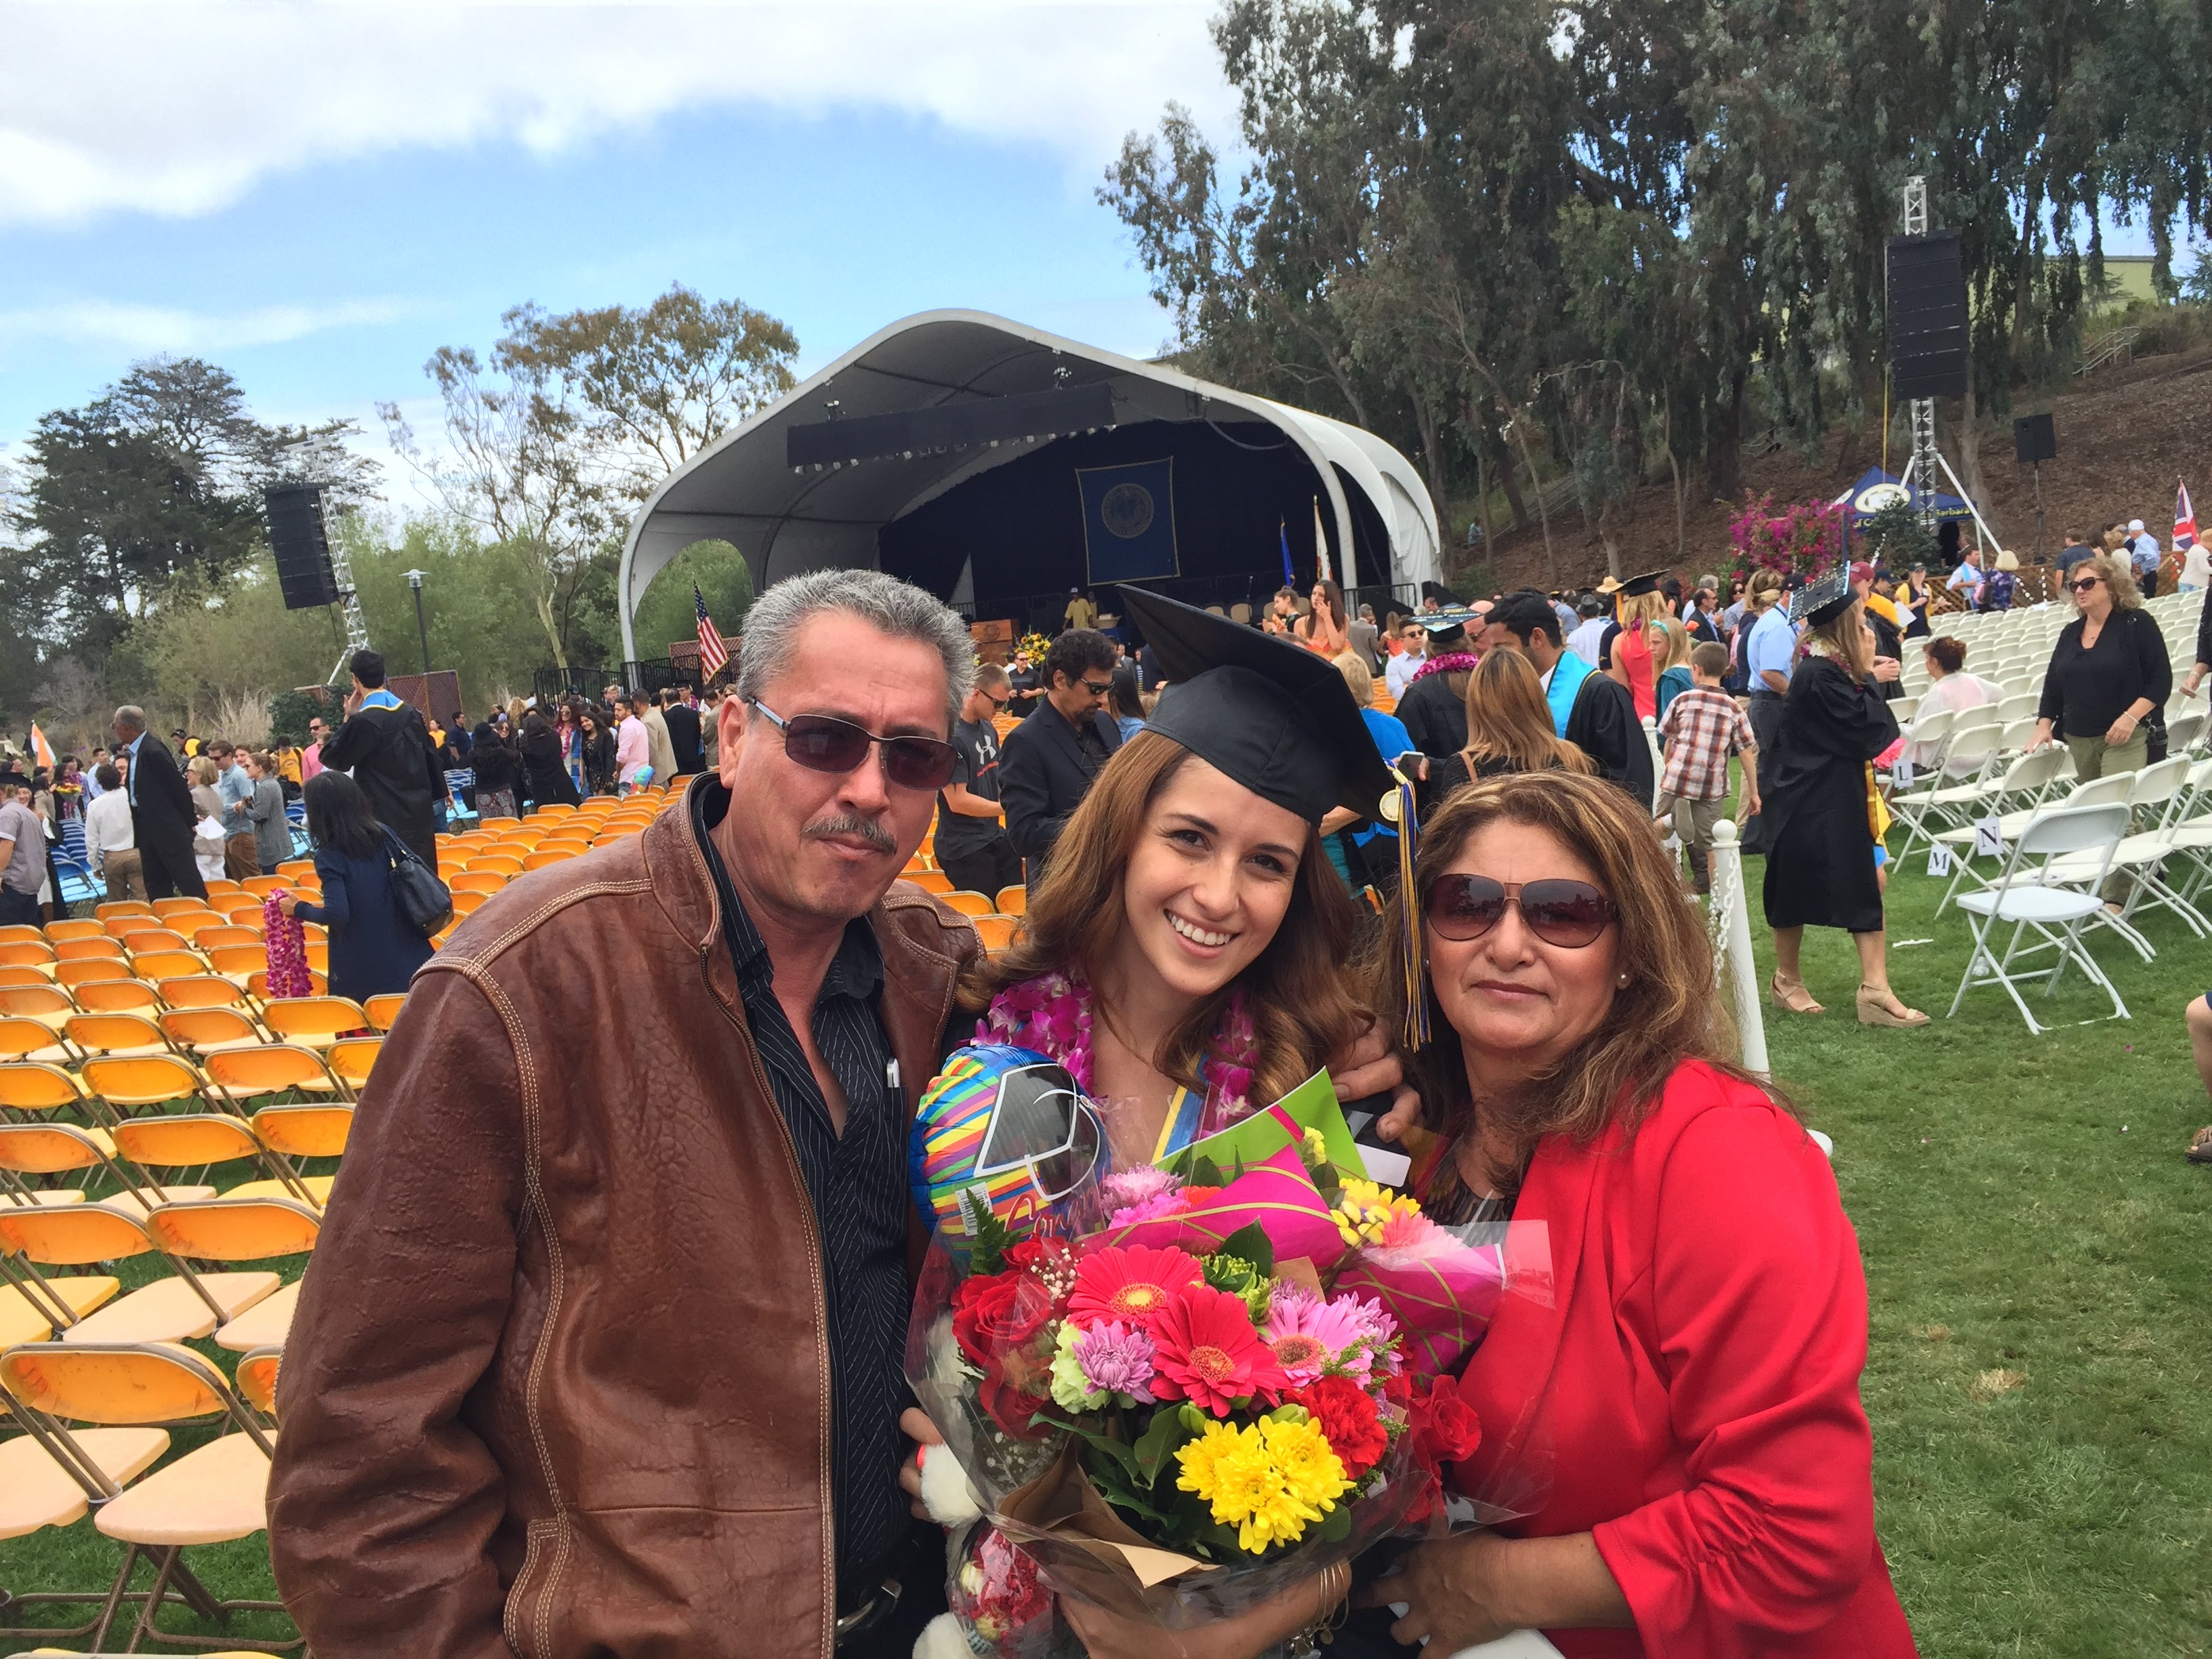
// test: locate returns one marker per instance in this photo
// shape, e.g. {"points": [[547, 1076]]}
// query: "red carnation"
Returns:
{"points": [[1347, 1416], [995, 1312]]}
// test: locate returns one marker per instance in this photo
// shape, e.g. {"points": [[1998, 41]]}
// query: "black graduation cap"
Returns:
{"points": [[1441, 624], [1824, 597], [1636, 586], [1277, 718]]}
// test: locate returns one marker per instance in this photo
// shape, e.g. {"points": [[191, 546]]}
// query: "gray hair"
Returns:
{"points": [[885, 603], [131, 718]]}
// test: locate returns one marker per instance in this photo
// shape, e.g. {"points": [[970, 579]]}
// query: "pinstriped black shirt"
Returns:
{"points": [[857, 1180]]}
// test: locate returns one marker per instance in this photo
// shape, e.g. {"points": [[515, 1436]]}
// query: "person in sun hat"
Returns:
{"points": [[1816, 820], [1190, 959]]}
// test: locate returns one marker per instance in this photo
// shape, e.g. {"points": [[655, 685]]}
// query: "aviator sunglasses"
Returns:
{"points": [[822, 743], [1561, 912]]}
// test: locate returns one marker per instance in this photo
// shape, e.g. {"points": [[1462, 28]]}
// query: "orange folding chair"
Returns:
{"points": [[101, 948], [313, 1021], [41, 1000], [194, 1140], [1013, 901], [12, 974], [68, 974], [203, 1030], [52, 1149], [475, 880], [226, 935], [549, 855], [153, 966], [39, 1086], [263, 886], [352, 1059], [176, 907], [79, 927], [273, 1068], [118, 1035], [137, 1082], [235, 961], [216, 1493], [968, 904], [26, 953], [997, 933], [933, 881], [164, 938], [118, 996], [383, 1008], [32, 1040], [239, 1227]]}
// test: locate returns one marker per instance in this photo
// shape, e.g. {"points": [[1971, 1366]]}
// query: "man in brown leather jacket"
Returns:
{"points": [[599, 1351]]}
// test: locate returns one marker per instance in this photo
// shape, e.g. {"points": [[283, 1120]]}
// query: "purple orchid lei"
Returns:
{"points": [[1450, 662], [1051, 1014]]}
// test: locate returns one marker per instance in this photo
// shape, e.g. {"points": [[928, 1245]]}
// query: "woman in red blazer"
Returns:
{"points": [[1686, 1413]]}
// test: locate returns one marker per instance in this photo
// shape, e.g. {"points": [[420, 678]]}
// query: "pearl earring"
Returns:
{"points": [[1623, 981]]}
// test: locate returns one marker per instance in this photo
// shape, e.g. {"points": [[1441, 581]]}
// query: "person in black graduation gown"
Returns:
{"points": [[1814, 787], [1596, 714], [1434, 709]]}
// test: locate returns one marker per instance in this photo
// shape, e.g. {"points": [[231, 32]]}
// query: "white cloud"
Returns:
{"points": [[179, 109], [141, 329]]}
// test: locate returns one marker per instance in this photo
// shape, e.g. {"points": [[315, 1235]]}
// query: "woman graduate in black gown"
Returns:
{"points": [[1816, 786]]}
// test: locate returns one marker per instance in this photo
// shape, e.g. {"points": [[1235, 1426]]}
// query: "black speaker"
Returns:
{"points": [[1927, 316], [2034, 438], [302, 546]]}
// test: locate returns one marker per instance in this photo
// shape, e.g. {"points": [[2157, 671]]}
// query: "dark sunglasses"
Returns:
{"points": [[997, 702], [821, 743], [1096, 687], [1558, 911], [2084, 585]]}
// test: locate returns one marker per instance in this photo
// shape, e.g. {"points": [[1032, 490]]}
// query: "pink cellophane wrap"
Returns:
{"points": [[287, 943], [1278, 1193], [1441, 1293]]}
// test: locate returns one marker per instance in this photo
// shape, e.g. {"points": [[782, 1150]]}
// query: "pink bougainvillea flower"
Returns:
{"points": [[1133, 1283]]}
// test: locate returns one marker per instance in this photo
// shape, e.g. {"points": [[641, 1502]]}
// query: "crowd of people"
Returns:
{"points": [[1204, 816], [1191, 951]]}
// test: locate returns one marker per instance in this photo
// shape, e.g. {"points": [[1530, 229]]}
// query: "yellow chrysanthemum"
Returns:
{"points": [[1269, 1481], [1310, 1470], [1364, 1209], [1316, 1144]]}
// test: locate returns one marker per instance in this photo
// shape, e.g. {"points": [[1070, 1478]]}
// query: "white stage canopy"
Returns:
{"points": [[743, 489]]}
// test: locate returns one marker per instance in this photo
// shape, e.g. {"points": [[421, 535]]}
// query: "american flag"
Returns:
{"points": [[713, 655]]}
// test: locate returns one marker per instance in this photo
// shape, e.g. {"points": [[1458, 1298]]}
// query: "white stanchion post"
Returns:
{"points": [[1731, 906]]}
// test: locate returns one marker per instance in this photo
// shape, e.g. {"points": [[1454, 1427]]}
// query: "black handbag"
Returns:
{"points": [[426, 901]]}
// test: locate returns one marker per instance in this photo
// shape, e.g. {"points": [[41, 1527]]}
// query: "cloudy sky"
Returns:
{"points": [[316, 195]]}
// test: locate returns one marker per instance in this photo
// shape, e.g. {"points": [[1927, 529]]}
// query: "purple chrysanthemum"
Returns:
{"points": [[1116, 1359]]}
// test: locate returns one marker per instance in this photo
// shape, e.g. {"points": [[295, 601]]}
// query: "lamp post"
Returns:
{"points": [[415, 581]]}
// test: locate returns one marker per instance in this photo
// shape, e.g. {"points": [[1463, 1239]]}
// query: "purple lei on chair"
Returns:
{"points": [[1051, 1014]]}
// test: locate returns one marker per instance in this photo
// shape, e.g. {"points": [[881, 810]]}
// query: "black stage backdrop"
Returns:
{"points": [[1023, 524]]}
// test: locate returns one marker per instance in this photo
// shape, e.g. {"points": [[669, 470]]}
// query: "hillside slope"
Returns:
{"points": [[2125, 436]]}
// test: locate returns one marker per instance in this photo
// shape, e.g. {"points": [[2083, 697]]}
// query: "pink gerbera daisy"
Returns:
{"points": [[1305, 1335], [1207, 1352], [1130, 1282]]}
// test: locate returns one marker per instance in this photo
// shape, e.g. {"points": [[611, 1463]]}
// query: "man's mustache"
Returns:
{"points": [[851, 823]]}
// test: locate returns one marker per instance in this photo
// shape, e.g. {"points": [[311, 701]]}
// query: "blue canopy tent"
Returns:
{"points": [[1877, 489]]}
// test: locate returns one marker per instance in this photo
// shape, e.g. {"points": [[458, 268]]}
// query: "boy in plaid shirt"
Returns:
{"points": [[1703, 727]]}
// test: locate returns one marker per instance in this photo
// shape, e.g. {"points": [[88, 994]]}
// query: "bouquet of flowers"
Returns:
{"points": [[1198, 1384]]}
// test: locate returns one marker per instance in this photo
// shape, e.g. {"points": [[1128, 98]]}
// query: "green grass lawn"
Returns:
{"points": [[2039, 1259]]}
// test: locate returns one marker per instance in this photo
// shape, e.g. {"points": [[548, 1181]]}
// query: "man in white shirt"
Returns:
{"points": [[109, 844], [2143, 555], [2196, 567], [1407, 663], [1967, 578], [1588, 636]]}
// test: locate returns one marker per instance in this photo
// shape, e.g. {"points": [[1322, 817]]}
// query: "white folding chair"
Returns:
{"points": [[2158, 789], [2056, 914], [2013, 797]]}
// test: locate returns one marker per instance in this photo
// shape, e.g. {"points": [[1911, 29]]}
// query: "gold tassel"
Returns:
{"points": [[1398, 807]]}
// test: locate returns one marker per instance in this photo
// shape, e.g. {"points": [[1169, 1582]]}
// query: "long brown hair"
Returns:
{"points": [[1334, 595], [1668, 1013], [1846, 637], [1509, 720], [1299, 991]]}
